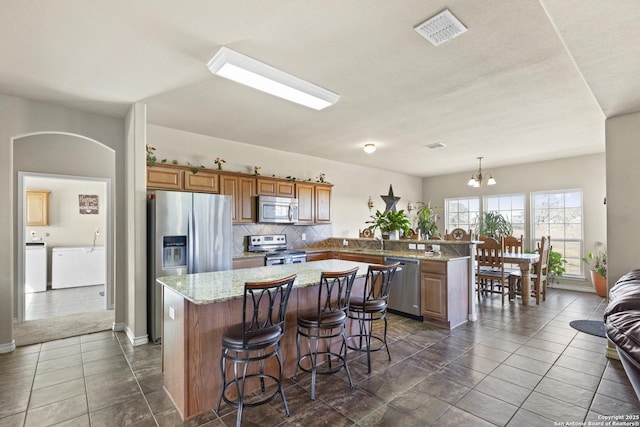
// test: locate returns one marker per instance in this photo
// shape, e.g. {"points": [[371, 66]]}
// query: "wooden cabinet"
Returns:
{"points": [[203, 181], [444, 292], [248, 262], [37, 212], [314, 203], [369, 259], [242, 189], [275, 187], [318, 256], [164, 178]]}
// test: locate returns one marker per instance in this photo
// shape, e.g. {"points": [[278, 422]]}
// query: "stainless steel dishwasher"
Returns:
{"points": [[404, 297]]}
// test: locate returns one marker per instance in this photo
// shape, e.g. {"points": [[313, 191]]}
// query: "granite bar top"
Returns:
{"points": [[219, 286], [412, 254]]}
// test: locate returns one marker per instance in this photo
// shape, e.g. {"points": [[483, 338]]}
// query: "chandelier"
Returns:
{"points": [[478, 178]]}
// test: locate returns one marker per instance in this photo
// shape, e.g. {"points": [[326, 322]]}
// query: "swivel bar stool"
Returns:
{"points": [[369, 307], [254, 340], [319, 327]]}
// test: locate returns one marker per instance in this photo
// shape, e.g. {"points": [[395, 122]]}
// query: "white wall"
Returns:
{"points": [[623, 201], [585, 172], [352, 184]]}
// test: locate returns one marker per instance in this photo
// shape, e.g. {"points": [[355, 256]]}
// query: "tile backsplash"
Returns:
{"points": [[314, 234]]}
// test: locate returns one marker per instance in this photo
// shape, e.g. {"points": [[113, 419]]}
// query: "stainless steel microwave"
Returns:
{"points": [[273, 209]]}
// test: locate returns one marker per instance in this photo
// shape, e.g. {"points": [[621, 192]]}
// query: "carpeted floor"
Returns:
{"points": [[55, 328]]}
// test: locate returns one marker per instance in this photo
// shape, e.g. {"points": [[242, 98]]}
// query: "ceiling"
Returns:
{"points": [[530, 80]]}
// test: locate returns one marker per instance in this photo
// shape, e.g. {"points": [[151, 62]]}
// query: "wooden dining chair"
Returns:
{"points": [[540, 276], [513, 245], [458, 234], [490, 274]]}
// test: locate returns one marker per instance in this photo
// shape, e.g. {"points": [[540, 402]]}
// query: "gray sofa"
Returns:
{"points": [[622, 324]]}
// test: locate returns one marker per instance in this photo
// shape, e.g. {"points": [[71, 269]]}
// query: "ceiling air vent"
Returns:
{"points": [[441, 28]]}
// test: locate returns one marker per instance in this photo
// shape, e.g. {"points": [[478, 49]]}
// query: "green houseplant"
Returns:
{"points": [[597, 263], [390, 223], [426, 219], [493, 224], [556, 266]]}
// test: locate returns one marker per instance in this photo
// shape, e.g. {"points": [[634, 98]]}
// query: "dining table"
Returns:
{"points": [[524, 261]]}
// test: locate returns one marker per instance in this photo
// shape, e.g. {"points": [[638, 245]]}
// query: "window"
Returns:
{"points": [[511, 207], [461, 213], [559, 214]]}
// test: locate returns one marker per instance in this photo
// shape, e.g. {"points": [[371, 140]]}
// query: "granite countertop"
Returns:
{"points": [[219, 286], [413, 254]]}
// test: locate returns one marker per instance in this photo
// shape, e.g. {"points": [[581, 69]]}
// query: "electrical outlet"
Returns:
{"points": [[303, 236], [345, 242], [421, 246], [172, 313], [412, 246], [435, 248]]}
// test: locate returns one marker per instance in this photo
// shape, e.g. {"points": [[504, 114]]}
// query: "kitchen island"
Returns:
{"points": [[198, 307]]}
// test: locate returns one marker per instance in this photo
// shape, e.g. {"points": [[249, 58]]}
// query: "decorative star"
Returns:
{"points": [[390, 200]]}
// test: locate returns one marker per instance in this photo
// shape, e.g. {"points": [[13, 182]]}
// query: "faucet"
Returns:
{"points": [[381, 243]]}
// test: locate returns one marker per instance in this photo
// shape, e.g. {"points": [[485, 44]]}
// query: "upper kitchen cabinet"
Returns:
{"points": [[242, 188], [203, 181], [165, 177], [275, 187], [37, 207], [314, 202]]}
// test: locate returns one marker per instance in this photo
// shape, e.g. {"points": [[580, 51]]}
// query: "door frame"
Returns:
{"points": [[21, 226]]}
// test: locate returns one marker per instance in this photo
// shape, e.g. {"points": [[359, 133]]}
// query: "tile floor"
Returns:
{"points": [[62, 302], [516, 366]]}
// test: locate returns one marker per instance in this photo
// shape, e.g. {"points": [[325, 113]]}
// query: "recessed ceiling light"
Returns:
{"points": [[441, 28], [369, 148], [434, 145], [242, 69]]}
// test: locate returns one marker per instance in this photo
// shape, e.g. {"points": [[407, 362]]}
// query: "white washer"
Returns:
{"points": [[35, 267]]}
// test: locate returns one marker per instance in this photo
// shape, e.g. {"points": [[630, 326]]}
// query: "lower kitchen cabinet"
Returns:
{"points": [[318, 256], [248, 262], [369, 259], [444, 292]]}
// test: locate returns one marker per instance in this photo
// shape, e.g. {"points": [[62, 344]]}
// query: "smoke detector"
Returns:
{"points": [[441, 28]]}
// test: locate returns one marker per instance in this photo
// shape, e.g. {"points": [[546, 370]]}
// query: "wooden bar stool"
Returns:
{"points": [[320, 326], [255, 340], [369, 307]]}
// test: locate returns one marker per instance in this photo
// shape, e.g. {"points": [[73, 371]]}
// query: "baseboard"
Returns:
{"points": [[136, 341], [117, 327], [8, 347]]}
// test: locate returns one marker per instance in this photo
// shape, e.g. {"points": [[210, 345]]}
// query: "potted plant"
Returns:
{"points": [[556, 266], [390, 223], [426, 219], [493, 224], [597, 262]]}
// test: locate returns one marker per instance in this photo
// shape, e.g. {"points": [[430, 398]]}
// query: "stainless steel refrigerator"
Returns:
{"points": [[186, 233]]}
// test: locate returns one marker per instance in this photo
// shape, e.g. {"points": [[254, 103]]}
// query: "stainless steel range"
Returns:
{"points": [[275, 248]]}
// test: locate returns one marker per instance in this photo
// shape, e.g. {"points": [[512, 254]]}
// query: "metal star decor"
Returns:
{"points": [[390, 200]]}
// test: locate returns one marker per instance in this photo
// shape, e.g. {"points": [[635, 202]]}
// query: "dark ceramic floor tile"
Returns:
{"points": [[97, 336], [13, 402], [420, 406], [455, 417], [615, 372], [487, 407], [552, 408], [57, 352], [538, 354], [606, 405], [559, 339], [477, 363], [354, 404], [57, 412], [99, 344], [573, 377], [589, 356], [107, 380], [501, 344], [490, 353], [590, 368], [503, 390], [528, 364], [319, 414], [389, 416], [105, 365], [596, 347], [113, 394], [616, 390], [440, 386], [516, 376], [393, 382], [49, 378], [81, 421], [15, 420], [546, 345], [60, 343], [59, 363], [171, 418], [56, 393], [527, 418], [565, 392], [133, 411], [462, 375], [102, 353]]}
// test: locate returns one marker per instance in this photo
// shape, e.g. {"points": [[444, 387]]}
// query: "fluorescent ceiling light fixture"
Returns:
{"points": [[369, 148], [242, 69]]}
